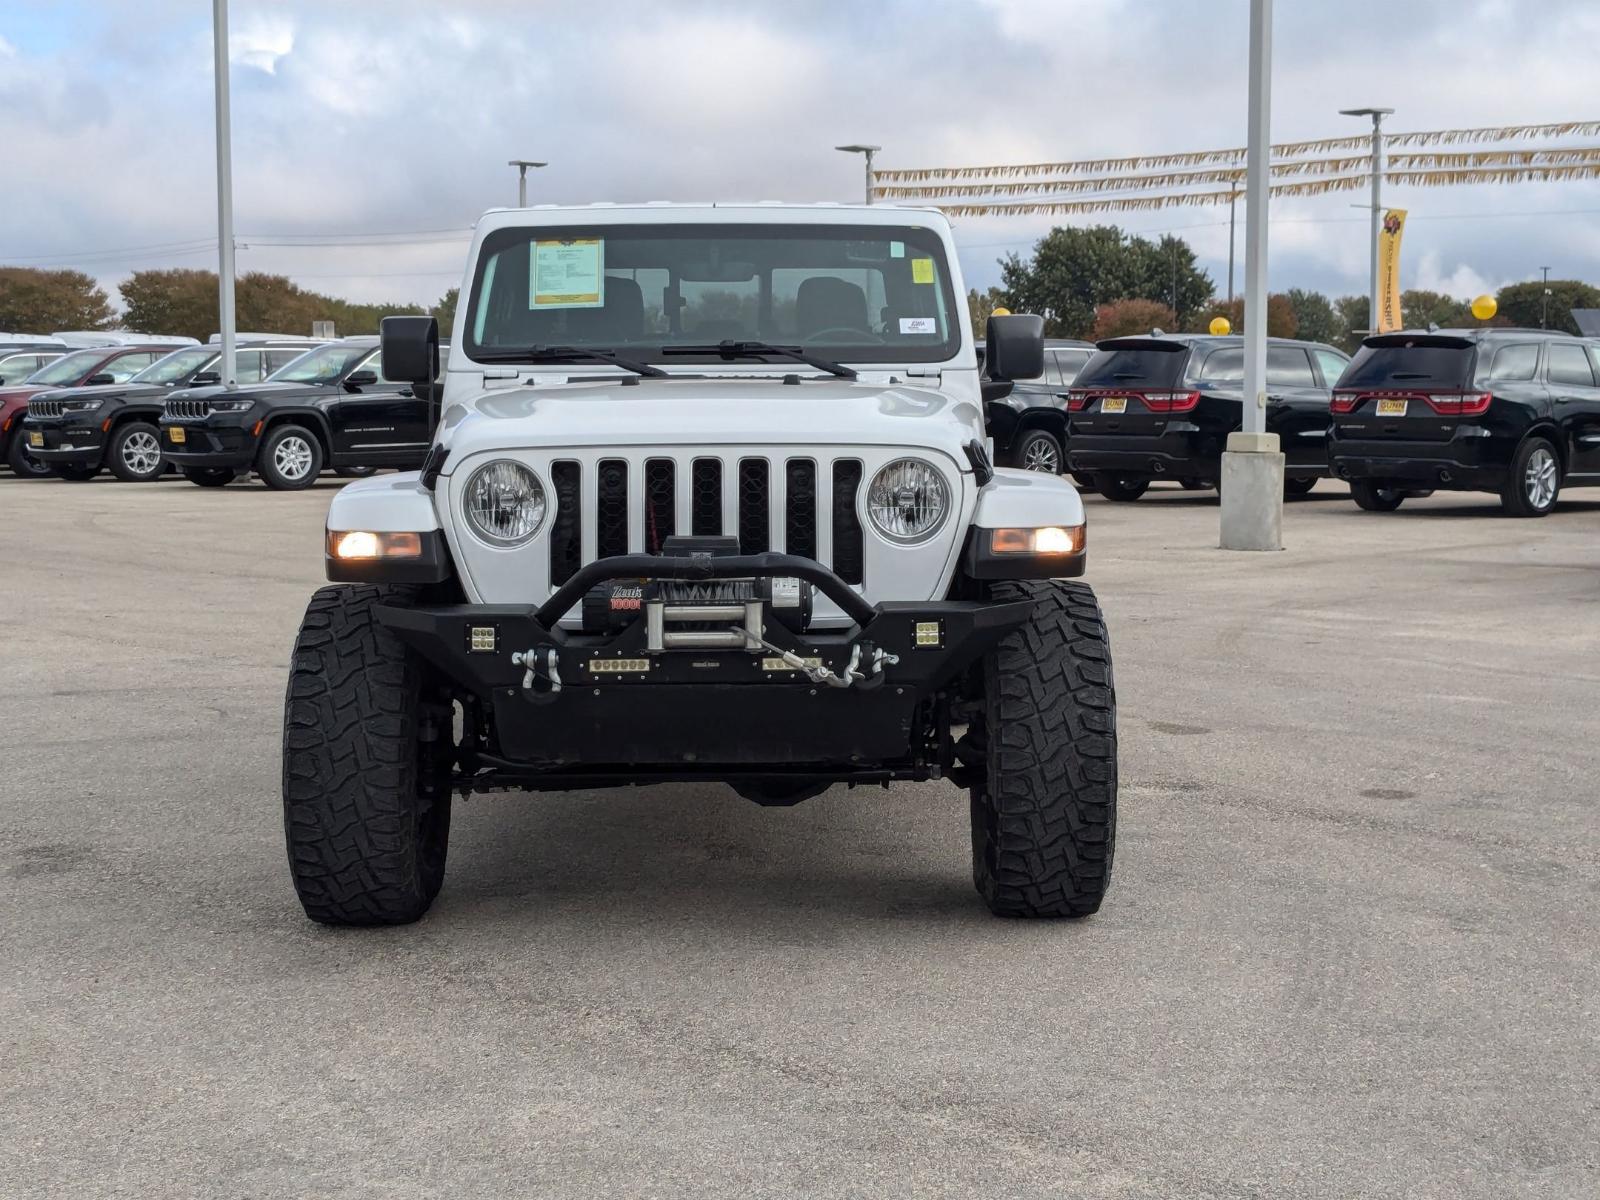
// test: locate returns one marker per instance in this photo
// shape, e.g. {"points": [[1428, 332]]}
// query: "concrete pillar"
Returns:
{"points": [[1252, 493]]}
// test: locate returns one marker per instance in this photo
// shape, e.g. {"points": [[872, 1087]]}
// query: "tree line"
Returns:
{"points": [[1099, 282], [184, 302]]}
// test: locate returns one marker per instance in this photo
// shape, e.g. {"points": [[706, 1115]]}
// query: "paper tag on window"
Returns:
{"points": [[919, 324], [922, 270], [897, 249], [568, 274]]}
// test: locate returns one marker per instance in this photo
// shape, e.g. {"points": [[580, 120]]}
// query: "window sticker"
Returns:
{"points": [[919, 324], [897, 249], [922, 270], [568, 274]]}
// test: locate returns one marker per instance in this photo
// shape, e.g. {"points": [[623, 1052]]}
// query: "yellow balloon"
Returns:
{"points": [[1000, 312], [1484, 307], [1220, 326]]}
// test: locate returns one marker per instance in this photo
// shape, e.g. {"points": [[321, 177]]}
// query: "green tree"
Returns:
{"points": [[1420, 308], [1354, 313], [1074, 270], [38, 301], [981, 306], [1314, 316], [1121, 318], [1524, 303], [185, 302], [445, 310], [177, 301], [1280, 316]]}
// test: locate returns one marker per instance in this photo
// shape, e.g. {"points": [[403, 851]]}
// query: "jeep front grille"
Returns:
{"points": [[566, 533], [754, 506], [611, 537], [187, 410], [848, 552]]}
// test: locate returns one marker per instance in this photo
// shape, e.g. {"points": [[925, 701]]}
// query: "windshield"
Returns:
{"points": [[1410, 367], [844, 293], [69, 368], [1157, 370], [325, 364], [178, 365]]}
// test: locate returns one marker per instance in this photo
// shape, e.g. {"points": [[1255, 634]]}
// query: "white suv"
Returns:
{"points": [[709, 499]]}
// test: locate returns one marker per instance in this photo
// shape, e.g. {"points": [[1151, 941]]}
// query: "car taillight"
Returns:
{"points": [[1462, 405], [1345, 402], [1170, 402], [1077, 401]]}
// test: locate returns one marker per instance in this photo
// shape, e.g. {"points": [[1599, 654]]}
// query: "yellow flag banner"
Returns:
{"points": [[1394, 225]]}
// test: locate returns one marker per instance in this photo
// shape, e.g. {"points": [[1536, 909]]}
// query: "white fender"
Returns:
{"points": [[1018, 499], [384, 504]]}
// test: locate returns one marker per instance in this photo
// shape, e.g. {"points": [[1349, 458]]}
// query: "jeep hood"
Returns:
{"points": [[704, 412]]}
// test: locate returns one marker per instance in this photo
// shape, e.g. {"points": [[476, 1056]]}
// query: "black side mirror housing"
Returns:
{"points": [[206, 379], [97, 380], [360, 379], [410, 349], [1014, 347]]}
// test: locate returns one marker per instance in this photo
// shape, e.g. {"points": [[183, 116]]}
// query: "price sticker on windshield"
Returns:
{"points": [[567, 274], [922, 270]]}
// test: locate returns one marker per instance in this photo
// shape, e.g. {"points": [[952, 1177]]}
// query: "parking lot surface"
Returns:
{"points": [[1350, 947]]}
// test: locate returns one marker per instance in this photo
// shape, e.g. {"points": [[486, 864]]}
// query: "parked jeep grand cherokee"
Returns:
{"points": [[78, 431], [1512, 411], [1027, 419], [1161, 407], [330, 407], [86, 367]]}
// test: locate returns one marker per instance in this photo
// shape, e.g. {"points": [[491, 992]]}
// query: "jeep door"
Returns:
{"points": [[376, 421]]}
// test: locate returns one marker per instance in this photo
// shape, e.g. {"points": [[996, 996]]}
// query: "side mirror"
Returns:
{"points": [[97, 380], [410, 349], [360, 379], [205, 379], [1014, 348]]}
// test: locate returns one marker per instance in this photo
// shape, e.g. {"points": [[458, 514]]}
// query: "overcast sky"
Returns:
{"points": [[355, 118]]}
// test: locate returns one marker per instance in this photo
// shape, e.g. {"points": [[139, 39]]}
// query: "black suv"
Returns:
{"points": [[329, 407], [1028, 423], [1162, 407], [1513, 411], [114, 425]]}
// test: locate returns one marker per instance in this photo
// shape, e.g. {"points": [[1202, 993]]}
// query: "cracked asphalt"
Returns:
{"points": [[1350, 948]]}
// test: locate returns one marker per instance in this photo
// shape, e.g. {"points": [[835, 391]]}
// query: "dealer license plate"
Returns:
{"points": [[36, 439], [1114, 404], [1392, 408], [177, 434]]}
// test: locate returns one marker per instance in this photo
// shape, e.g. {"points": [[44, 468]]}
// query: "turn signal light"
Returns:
{"points": [[359, 544], [1049, 539]]}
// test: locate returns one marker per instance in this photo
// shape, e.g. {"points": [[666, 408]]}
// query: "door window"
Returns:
{"points": [[126, 366], [1332, 364], [1224, 366], [247, 364], [1568, 364], [1514, 363], [1071, 362], [1288, 366]]}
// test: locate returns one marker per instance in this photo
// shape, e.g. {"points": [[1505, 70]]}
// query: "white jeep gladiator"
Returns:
{"points": [[709, 498]]}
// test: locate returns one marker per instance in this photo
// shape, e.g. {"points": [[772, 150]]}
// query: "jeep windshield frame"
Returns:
{"points": [[675, 293]]}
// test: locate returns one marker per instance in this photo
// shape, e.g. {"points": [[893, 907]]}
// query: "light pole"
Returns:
{"points": [[1544, 300], [1377, 115], [225, 319], [1233, 207], [869, 151], [522, 165]]}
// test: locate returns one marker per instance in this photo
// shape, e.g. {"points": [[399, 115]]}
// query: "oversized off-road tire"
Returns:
{"points": [[1036, 450], [366, 798], [1119, 487], [20, 461], [209, 476], [134, 454], [1299, 487], [1044, 818], [1369, 497], [73, 472], [290, 458], [1535, 480]]}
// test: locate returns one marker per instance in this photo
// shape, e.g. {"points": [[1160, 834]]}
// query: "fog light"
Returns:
{"points": [[481, 639], [359, 544], [929, 635], [619, 666], [1048, 539]]}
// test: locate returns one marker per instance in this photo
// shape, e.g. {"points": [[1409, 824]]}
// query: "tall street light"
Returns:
{"points": [[522, 165], [1377, 115], [1544, 300], [225, 318], [869, 151]]}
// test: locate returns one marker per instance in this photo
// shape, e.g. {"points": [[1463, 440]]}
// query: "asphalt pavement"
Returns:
{"points": [[1350, 947]]}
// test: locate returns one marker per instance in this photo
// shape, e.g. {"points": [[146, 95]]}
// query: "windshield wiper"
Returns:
{"points": [[728, 351], [535, 354]]}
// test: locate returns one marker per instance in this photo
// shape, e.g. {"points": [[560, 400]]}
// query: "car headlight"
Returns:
{"points": [[234, 406], [80, 406], [505, 503], [908, 500]]}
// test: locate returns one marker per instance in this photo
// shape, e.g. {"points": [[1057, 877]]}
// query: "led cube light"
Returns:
{"points": [[481, 639], [928, 635]]}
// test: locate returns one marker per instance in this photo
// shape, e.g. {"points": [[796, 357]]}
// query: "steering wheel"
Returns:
{"points": [[857, 337]]}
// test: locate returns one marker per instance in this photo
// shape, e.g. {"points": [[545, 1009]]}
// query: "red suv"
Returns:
{"points": [[95, 365]]}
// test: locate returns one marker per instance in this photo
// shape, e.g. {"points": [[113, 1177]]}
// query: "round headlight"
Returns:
{"points": [[504, 503], [908, 500]]}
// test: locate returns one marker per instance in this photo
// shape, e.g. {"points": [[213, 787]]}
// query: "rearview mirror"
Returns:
{"points": [[409, 349], [1014, 347], [365, 377], [97, 380]]}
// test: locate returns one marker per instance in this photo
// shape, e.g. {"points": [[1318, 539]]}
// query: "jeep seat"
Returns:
{"points": [[619, 320], [827, 302]]}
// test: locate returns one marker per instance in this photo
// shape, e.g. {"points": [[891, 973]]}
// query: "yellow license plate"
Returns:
{"points": [[36, 439], [1392, 408], [176, 433], [1114, 404]]}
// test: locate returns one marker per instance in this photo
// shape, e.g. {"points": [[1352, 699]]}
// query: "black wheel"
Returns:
{"points": [[1535, 480], [1299, 487], [366, 754], [1037, 450], [73, 472], [209, 476], [1193, 485], [1119, 487], [21, 461], [134, 455], [290, 458], [354, 472], [1084, 481], [1044, 819], [1369, 496]]}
